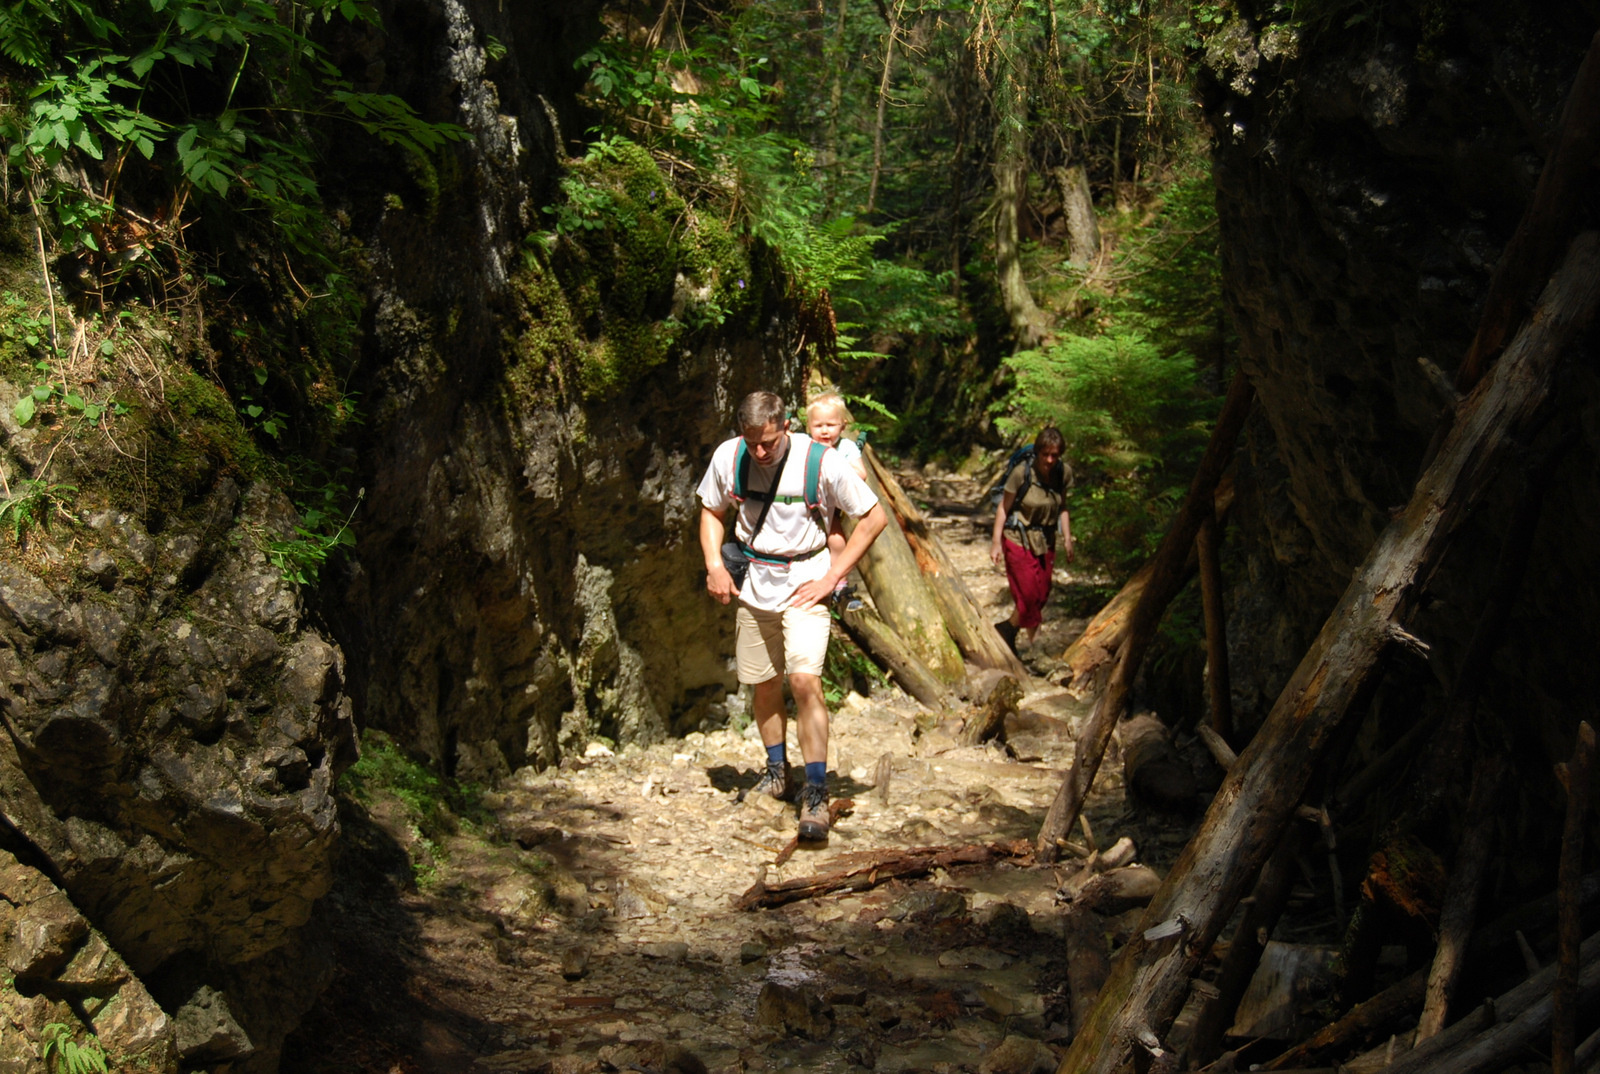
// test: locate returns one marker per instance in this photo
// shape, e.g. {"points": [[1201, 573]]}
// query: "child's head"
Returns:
{"points": [[827, 418]]}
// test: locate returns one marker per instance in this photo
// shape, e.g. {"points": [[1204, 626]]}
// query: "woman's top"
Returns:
{"points": [[1033, 521]]}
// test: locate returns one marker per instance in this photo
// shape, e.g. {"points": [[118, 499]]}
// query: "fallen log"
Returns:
{"points": [[1248, 816], [1575, 780], [862, 872], [889, 649], [1395, 1005], [1166, 578], [1493, 1034], [972, 632], [891, 574]]}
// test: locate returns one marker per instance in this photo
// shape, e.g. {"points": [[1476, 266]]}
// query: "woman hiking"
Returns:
{"points": [[1032, 508]]}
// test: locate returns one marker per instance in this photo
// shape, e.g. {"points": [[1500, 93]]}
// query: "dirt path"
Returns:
{"points": [[587, 922]]}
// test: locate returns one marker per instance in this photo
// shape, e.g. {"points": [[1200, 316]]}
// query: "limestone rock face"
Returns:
{"points": [[1367, 178], [528, 573], [175, 730]]}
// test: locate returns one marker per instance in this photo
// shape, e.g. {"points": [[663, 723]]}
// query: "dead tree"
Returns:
{"points": [[889, 569], [1167, 576], [976, 637], [1250, 812]]}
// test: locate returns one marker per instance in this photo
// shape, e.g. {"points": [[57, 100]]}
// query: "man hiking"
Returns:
{"points": [[785, 492]]}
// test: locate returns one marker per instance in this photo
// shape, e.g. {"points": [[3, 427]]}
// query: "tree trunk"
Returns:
{"points": [[1010, 184], [905, 601], [1166, 578], [1248, 816], [1088, 962], [1083, 229], [890, 650], [892, 16], [972, 632], [1219, 685]]}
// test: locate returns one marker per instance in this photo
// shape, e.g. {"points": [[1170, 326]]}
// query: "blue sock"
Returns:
{"points": [[817, 772], [776, 755]]}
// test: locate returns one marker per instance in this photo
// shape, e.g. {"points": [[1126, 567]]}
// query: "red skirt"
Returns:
{"points": [[1029, 577]]}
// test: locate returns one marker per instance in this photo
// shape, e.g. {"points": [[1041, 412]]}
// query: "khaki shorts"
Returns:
{"points": [[770, 643]]}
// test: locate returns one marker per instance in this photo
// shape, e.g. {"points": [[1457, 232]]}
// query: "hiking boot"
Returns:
{"points": [[1008, 633], [774, 783], [814, 818]]}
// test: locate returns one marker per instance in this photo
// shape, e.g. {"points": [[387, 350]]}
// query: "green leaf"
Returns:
{"points": [[41, 392], [23, 411]]}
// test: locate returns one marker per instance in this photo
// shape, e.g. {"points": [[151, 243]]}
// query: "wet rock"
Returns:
{"points": [[669, 951], [750, 951], [928, 907], [1018, 1055], [797, 1011]]}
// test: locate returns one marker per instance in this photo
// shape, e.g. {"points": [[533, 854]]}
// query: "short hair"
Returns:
{"points": [[829, 401], [1049, 439], [760, 409]]}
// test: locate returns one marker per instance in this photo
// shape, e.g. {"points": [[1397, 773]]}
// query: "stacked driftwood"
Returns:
{"points": [[1275, 806]]}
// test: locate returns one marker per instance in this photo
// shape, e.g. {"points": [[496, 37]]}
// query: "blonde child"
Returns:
{"points": [[826, 420]]}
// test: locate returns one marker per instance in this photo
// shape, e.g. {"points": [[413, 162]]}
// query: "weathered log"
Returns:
{"points": [[1221, 752], [1219, 687], [1493, 1035], [989, 720], [904, 600], [1271, 895], [1361, 1021], [1088, 961], [1575, 778], [862, 872], [1248, 815], [973, 634], [889, 649], [1166, 578], [1459, 913]]}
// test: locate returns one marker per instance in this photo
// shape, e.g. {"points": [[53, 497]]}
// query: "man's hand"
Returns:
{"points": [[719, 583], [813, 592]]}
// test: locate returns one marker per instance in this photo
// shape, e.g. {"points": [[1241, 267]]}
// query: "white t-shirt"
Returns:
{"points": [[848, 449], [790, 529]]}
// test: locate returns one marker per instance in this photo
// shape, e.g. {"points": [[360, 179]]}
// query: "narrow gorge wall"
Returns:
{"points": [[528, 573], [1370, 165]]}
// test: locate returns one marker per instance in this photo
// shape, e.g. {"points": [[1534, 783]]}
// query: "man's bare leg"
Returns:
{"points": [[772, 724], [811, 716]]}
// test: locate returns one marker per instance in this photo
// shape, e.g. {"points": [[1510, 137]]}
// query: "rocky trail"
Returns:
{"points": [[585, 918]]}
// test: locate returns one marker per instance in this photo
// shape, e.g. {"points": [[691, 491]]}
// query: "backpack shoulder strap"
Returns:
{"points": [[813, 487], [741, 471]]}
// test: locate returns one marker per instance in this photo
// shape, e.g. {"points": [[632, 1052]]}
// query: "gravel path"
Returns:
{"points": [[586, 923]]}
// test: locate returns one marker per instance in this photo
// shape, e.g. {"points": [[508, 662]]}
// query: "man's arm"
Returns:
{"points": [[868, 526], [719, 583]]}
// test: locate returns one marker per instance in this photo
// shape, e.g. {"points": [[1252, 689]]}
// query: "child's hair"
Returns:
{"points": [[829, 401]]}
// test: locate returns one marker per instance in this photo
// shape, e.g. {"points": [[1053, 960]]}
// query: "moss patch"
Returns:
{"points": [[629, 272]]}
